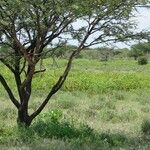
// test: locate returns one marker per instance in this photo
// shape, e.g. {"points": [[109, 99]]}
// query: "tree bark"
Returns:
{"points": [[23, 117]]}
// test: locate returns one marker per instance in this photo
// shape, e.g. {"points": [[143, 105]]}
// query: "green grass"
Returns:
{"points": [[96, 80], [78, 120], [100, 107]]}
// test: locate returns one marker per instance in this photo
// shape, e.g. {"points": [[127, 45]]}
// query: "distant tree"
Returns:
{"points": [[105, 53], [121, 52], [139, 49], [142, 60], [27, 27], [144, 47], [117, 52], [59, 52], [135, 53], [89, 53]]}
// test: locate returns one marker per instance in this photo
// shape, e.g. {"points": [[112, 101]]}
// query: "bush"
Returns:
{"points": [[146, 127], [52, 125], [142, 61]]}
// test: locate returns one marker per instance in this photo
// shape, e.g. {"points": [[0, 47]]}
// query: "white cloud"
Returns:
{"points": [[143, 18]]}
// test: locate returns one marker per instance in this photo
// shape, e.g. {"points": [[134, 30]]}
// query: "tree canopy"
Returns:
{"points": [[144, 47]]}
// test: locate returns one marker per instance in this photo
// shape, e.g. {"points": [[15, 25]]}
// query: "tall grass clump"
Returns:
{"points": [[142, 60], [52, 125], [145, 127]]}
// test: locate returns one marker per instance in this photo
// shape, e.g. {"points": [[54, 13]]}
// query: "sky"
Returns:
{"points": [[143, 21], [142, 18]]}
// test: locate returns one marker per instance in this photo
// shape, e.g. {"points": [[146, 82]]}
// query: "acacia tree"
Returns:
{"points": [[27, 27], [144, 47], [135, 53]]}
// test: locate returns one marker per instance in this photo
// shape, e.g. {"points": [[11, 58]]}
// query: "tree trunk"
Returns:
{"points": [[23, 117], [23, 120]]}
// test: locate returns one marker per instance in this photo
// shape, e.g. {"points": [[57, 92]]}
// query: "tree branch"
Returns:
{"points": [[8, 65], [56, 87], [10, 94], [39, 71], [62, 78]]}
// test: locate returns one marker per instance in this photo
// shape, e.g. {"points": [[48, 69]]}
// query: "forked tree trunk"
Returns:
{"points": [[23, 119], [25, 92], [25, 89]]}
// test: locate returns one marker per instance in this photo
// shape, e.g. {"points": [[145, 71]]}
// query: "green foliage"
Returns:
{"points": [[114, 139], [105, 53], [53, 115], [72, 130], [49, 125], [92, 76], [145, 127], [62, 51], [95, 82], [102, 53], [144, 47], [27, 27], [81, 137], [142, 60], [135, 53], [121, 53], [79, 119], [90, 54]]}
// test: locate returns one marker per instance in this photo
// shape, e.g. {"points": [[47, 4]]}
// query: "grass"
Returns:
{"points": [[97, 109], [101, 79]]}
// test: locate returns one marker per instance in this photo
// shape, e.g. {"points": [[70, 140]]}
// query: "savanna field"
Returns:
{"points": [[101, 106]]}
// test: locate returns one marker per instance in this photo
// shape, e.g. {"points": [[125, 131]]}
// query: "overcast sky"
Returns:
{"points": [[142, 19], [143, 22]]}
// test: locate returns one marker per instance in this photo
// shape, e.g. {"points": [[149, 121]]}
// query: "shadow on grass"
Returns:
{"points": [[84, 137], [51, 131], [78, 137]]}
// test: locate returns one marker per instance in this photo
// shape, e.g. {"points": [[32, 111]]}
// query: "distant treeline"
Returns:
{"points": [[101, 53]]}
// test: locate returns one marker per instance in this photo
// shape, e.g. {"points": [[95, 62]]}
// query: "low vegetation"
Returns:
{"points": [[142, 61], [103, 105]]}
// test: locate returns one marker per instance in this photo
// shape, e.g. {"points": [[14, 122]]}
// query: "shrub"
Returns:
{"points": [[52, 125], [54, 115], [146, 127], [142, 61]]}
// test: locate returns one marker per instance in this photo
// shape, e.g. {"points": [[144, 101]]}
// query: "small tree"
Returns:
{"points": [[142, 60], [28, 26], [121, 53], [144, 47], [105, 53], [135, 53]]}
